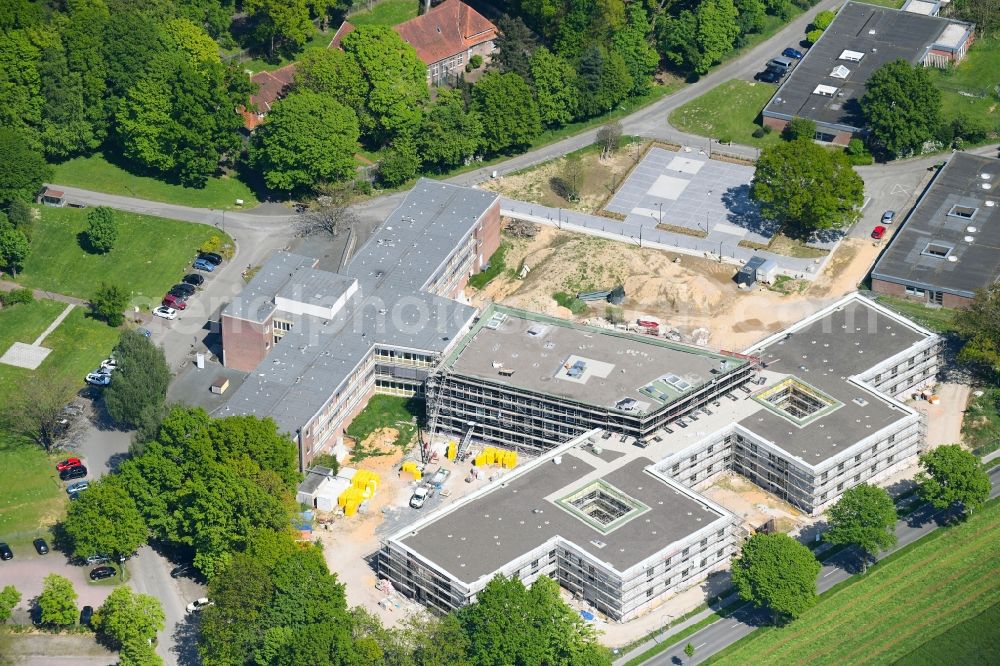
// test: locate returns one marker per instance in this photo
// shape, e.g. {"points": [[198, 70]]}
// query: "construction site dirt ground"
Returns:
{"points": [[350, 543], [682, 292]]}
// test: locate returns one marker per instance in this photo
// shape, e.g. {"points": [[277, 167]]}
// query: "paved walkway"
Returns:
{"points": [[7, 285], [647, 235], [53, 325]]}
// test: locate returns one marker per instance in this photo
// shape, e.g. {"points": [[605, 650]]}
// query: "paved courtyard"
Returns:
{"points": [[687, 189]]}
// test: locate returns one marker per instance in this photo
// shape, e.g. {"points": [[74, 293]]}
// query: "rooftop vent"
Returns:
{"points": [[851, 56], [825, 91], [990, 204], [840, 72], [985, 176], [952, 258], [971, 230], [969, 239]]}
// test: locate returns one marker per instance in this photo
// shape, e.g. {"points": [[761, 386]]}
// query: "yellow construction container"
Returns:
{"points": [[452, 450], [411, 467], [348, 496], [480, 460], [509, 459], [351, 508]]}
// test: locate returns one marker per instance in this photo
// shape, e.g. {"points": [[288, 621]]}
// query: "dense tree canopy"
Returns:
{"points": [[449, 132], [104, 520], [307, 138], [554, 78], [902, 107], [209, 483], [508, 111], [951, 475], [109, 302], [776, 572], [24, 168], [57, 602], [126, 617], [333, 73], [805, 187], [102, 229], [9, 598], [864, 516]]}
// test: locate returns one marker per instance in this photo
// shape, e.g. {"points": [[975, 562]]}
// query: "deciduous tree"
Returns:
{"points": [[979, 325], [555, 91], [281, 25], [126, 617], [400, 163], [9, 598], [508, 111], [24, 168], [716, 32], [58, 601], [805, 187], [109, 303], [603, 81], [396, 81], [515, 46], [776, 572], [864, 516], [333, 73], [449, 133], [136, 395], [105, 520], [951, 475], [102, 229], [36, 409], [632, 43], [307, 138], [14, 248], [902, 107], [799, 128]]}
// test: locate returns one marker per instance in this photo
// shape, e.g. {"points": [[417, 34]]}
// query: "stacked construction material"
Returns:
{"points": [[363, 487], [494, 456], [411, 467], [452, 450]]}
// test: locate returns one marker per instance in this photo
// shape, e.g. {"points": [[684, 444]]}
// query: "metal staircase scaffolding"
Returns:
{"points": [[465, 440]]}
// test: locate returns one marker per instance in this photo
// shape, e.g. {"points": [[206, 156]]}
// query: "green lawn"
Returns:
{"points": [[936, 319], [497, 266], [30, 497], [386, 411], [77, 345], [319, 40], [387, 12], [151, 254], [966, 643], [728, 111], [912, 597], [981, 425], [977, 76], [96, 173]]}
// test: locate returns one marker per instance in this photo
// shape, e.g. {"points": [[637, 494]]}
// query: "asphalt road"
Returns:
{"points": [[726, 631]]}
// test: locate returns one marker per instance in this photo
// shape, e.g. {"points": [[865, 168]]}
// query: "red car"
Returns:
{"points": [[878, 232], [66, 464], [174, 302]]}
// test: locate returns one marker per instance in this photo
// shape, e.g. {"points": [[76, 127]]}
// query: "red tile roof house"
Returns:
{"points": [[444, 38], [272, 87]]}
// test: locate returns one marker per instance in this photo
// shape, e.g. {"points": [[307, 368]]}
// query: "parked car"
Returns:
{"points": [[165, 312], [182, 570], [98, 378], [768, 76], [792, 53], [77, 487], [198, 604], [194, 279], [101, 573], [97, 559], [183, 290], [203, 265], [878, 232], [419, 497], [66, 464], [86, 615], [781, 65], [77, 472], [174, 302], [5, 552], [109, 364], [888, 216], [211, 257], [40, 546]]}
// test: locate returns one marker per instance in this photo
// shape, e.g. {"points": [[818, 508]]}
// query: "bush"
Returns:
{"points": [[476, 61], [823, 20], [15, 296], [399, 165], [783, 9], [326, 460], [109, 303], [211, 245], [725, 138], [759, 133], [799, 128], [813, 35]]}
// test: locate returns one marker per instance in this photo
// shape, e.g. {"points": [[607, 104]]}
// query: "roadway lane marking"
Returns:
{"points": [[698, 647], [735, 625], [829, 574]]}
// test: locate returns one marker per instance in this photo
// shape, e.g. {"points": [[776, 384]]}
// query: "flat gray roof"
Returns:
{"points": [[480, 536], [921, 252], [880, 35], [390, 308], [535, 352], [823, 354]]}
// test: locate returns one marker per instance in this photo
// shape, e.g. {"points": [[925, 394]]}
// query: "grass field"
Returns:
{"points": [[96, 173], [969, 642], [388, 12], [36, 501], [77, 345], [912, 597], [728, 111], [151, 254], [496, 267], [385, 411], [976, 76], [936, 319], [981, 425]]}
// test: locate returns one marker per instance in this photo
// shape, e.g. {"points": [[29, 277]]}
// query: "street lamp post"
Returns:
{"points": [[660, 204]]}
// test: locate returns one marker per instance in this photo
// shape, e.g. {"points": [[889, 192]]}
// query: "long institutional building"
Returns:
{"points": [[624, 428]]}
